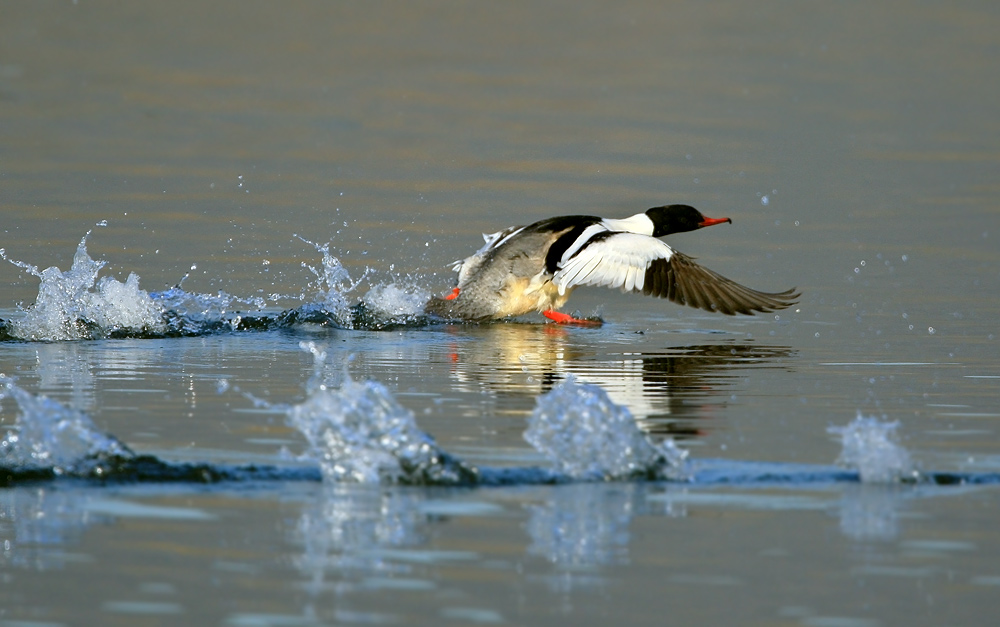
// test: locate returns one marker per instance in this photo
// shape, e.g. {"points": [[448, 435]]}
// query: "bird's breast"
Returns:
{"points": [[521, 295]]}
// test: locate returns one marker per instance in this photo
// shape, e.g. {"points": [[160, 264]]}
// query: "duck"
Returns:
{"points": [[535, 268]]}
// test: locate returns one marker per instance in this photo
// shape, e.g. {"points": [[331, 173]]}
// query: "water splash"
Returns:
{"points": [[193, 313], [870, 446], [333, 284], [49, 440], [75, 304], [358, 432], [588, 437], [397, 302], [48, 436]]}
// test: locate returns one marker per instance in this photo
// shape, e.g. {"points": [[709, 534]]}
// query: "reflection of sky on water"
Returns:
{"points": [[351, 540], [60, 368], [582, 525], [351, 530], [871, 512], [38, 527]]}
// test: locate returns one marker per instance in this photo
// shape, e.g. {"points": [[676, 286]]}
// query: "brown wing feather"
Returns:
{"points": [[684, 282]]}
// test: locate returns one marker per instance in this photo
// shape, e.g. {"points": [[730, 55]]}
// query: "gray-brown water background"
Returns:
{"points": [[856, 146]]}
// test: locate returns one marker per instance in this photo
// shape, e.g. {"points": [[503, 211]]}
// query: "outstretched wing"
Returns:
{"points": [[639, 263], [685, 282]]}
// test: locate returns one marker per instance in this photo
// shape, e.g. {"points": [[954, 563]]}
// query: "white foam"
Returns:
{"points": [[76, 305], [870, 446], [47, 434], [587, 436], [395, 301], [357, 432]]}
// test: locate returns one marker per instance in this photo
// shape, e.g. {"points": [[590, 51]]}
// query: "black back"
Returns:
{"points": [[574, 226]]}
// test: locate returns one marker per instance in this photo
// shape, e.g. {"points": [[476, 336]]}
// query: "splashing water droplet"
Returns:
{"points": [[76, 305], [359, 433], [587, 436], [869, 446], [49, 435]]}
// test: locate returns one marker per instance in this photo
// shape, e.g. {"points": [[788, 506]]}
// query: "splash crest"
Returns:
{"points": [[79, 305], [48, 436], [588, 437], [871, 447], [76, 305]]}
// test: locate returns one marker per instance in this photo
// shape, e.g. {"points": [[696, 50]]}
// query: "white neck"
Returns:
{"points": [[639, 223]]}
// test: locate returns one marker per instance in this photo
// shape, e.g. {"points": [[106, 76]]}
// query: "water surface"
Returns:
{"points": [[855, 147]]}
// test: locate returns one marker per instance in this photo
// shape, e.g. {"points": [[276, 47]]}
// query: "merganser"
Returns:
{"points": [[535, 268]]}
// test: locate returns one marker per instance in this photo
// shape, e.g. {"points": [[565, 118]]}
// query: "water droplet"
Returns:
{"points": [[930, 330], [764, 200]]}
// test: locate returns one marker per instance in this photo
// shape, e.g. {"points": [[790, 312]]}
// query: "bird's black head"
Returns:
{"points": [[679, 219]]}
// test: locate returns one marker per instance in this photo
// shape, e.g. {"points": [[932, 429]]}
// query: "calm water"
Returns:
{"points": [[856, 149]]}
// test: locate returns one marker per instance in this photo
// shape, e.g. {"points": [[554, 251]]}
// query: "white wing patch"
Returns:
{"points": [[619, 260]]}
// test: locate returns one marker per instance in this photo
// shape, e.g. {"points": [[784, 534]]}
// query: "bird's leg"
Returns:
{"points": [[560, 318], [453, 295]]}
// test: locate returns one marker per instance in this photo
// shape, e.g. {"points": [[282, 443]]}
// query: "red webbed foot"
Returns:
{"points": [[453, 295], [560, 318]]}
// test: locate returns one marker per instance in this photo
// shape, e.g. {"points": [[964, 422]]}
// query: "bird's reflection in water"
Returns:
{"points": [[682, 381], [671, 390]]}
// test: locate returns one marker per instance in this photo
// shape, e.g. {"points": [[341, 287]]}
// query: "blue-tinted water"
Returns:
{"points": [[182, 407]]}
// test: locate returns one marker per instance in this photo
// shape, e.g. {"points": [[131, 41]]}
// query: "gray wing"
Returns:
{"points": [[685, 282]]}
